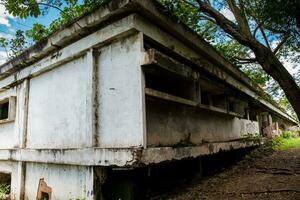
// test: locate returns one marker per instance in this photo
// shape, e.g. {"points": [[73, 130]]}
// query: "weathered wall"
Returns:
{"points": [[67, 182], [171, 124], [8, 136], [59, 103], [11, 131], [120, 94], [13, 168], [8, 132]]}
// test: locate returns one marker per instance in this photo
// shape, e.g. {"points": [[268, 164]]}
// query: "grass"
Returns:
{"points": [[281, 143], [4, 190]]}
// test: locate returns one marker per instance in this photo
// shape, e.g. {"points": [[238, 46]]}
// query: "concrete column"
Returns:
{"points": [[199, 172], [18, 181], [270, 120]]}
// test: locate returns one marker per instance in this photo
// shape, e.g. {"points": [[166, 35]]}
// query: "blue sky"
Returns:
{"points": [[9, 25]]}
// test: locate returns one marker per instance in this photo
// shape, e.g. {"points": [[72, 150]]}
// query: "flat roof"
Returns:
{"points": [[117, 9]]}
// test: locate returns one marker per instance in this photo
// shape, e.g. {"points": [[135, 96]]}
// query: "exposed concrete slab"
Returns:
{"points": [[128, 157], [162, 154]]}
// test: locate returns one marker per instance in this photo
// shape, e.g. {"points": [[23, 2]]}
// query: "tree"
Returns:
{"points": [[260, 33], [17, 44], [257, 24], [14, 46]]}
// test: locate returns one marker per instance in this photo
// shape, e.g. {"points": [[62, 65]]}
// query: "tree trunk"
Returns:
{"points": [[275, 68], [265, 57]]}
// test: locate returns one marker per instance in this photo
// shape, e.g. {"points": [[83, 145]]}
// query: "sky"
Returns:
{"points": [[286, 62], [9, 25]]}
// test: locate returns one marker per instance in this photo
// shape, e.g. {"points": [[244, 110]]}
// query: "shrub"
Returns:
{"points": [[4, 191], [290, 134], [286, 134]]}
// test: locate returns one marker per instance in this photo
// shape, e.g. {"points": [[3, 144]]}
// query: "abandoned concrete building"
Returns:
{"points": [[124, 87]]}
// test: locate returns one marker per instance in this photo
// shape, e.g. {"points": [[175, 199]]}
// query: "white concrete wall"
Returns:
{"points": [[11, 132], [13, 168], [170, 124], [248, 127], [59, 107], [61, 100], [67, 182], [8, 138], [121, 94]]}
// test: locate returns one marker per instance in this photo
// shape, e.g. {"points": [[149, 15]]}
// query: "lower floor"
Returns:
{"points": [[49, 175], [275, 174]]}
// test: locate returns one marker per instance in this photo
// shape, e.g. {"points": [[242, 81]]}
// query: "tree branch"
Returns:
{"points": [[246, 59], [227, 25], [189, 3], [260, 24], [58, 8], [239, 15], [244, 62], [265, 37], [208, 19], [50, 5], [285, 38]]}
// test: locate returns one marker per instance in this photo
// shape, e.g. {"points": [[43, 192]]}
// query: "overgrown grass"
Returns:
{"points": [[4, 191], [281, 143]]}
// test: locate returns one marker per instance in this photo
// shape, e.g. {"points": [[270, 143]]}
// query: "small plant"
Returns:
{"points": [[4, 191], [281, 143], [252, 137], [286, 134], [290, 134]]}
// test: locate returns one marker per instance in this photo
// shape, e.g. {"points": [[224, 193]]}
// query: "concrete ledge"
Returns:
{"points": [[157, 155], [121, 157]]}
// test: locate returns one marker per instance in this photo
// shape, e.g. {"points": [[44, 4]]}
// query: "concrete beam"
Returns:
{"points": [[156, 62], [162, 154], [161, 95], [121, 157]]}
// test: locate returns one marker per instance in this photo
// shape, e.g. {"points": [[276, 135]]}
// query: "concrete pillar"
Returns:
{"points": [[248, 114], [270, 120], [199, 172], [19, 178]]}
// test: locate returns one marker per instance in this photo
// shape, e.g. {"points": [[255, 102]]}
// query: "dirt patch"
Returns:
{"points": [[261, 175]]}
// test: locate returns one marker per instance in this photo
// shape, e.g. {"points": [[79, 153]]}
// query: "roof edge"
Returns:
{"points": [[113, 11]]}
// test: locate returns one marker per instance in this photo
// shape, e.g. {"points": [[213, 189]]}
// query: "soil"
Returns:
{"points": [[260, 175]]}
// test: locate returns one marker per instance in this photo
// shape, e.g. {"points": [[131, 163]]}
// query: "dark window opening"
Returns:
{"points": [[4, 110], [205, 98], [252, 116], [172, 85], [219, 101], [5, 183], [45, 196], [231, 106]]}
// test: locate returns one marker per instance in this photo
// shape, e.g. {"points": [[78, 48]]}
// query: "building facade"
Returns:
{"points": [[124, 87]]}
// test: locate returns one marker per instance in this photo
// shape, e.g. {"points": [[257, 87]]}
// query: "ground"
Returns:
{"points": [[263, 174]]}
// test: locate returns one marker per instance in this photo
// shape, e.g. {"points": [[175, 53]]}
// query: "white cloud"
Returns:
{"points": [[228, 14], [289, 65], [288, 60], [4, 21], [6, 35], [3, 57], [4, 16]]}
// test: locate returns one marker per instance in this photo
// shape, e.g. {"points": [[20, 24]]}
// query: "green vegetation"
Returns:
{"points": [[245, 32], [252, 137], [288, 140], [4, 191]]}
